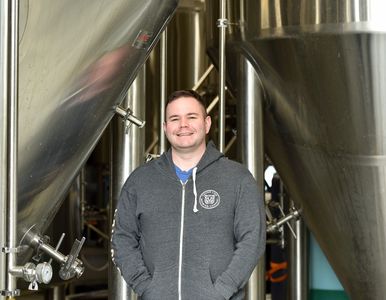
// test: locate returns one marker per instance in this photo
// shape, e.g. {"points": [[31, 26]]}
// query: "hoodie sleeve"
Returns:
{"points": [[249, 230], [125, 249]]}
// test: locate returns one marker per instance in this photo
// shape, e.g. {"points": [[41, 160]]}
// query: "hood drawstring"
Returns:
{"points": [[194, 190]]}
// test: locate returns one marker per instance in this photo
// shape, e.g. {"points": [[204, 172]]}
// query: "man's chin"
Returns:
{"points": [[185, 146]]}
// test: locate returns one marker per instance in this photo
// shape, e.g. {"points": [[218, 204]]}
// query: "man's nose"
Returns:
{"points": [[183, 122]]}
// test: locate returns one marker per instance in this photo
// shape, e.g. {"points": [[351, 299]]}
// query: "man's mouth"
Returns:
{"points": [[184, 133]]}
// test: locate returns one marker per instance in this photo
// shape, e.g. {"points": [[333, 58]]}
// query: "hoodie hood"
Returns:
{"points": [[211, 155]]}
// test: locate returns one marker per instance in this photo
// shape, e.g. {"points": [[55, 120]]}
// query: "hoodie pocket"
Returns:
{"points": [[163, 284], [198, 285]]}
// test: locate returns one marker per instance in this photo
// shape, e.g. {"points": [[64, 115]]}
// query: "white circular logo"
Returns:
{"points": [[209, 199]]}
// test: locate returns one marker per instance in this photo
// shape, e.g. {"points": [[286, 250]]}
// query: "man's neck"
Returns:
{"points": [[187, 160]]}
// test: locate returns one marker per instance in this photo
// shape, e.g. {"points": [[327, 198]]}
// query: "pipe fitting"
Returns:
{"points": [[276, 224], [127, 115]]}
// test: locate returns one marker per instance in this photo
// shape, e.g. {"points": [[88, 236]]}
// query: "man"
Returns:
{"points": [[189, 225]]}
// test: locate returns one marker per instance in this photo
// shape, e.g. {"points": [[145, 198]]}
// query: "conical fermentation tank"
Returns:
{"points": [[76, 61], [322, 68]]}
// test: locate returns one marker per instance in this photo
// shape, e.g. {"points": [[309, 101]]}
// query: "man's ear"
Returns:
{"points": [[208, 124]]}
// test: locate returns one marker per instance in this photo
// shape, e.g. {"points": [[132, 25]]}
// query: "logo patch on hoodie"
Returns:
{"points": [[209, 199]]}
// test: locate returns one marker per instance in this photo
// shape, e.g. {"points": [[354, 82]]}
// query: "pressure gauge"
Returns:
{"points": [[44, 273]]}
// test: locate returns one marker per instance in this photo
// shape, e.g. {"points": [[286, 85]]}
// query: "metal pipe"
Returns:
{"points": [[9, 86], [298, 267], [98, 231], [294, 214], [51, 252], [222, 23], [203, 77], [82, 195], [163, 92], [127, 115], [230, 144], [56, 293], [3, 139], [58, 245], [127, 154], [152, 145], [250, 141], [212, 104], [89, 295]]}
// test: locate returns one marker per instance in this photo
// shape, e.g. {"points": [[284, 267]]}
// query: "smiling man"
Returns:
{"points": [[186, 127], [189, 225]]}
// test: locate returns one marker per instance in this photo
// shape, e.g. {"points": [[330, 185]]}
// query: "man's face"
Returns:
{"points": [[186, 125]]}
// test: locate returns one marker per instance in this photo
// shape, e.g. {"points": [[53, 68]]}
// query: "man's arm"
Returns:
{"points": [[125, 249], [249, 230]]}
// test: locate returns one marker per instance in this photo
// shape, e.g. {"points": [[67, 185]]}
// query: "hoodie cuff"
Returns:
{"points": [[141, 287], [226, 291]]}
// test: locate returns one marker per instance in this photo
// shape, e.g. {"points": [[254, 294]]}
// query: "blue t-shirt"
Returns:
{"points": [[183, 175]]}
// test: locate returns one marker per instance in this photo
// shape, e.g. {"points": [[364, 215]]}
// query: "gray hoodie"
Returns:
{"points": [[198, 240]]}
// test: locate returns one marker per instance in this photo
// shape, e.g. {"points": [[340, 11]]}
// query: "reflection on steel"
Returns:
{"points": [[74, 71], [323, 67], [127, 154], [251, 144], [9, 12]]}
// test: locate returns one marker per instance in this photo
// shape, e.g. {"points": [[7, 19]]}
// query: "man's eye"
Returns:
{"points": [[173, 119]]}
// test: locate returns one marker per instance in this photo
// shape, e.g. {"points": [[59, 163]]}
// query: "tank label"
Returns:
{"points": [[142, 40]]}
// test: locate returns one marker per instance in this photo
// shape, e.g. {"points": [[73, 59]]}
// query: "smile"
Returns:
{"points": [[184, 134]]}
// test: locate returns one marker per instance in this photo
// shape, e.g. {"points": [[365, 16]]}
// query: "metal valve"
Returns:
{"points": [[71, 266]]}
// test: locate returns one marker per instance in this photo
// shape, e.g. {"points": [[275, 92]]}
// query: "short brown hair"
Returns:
{"points": [[187, 93]]}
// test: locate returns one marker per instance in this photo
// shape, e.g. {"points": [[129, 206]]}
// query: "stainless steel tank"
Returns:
{"points": [[322, 67], [76, 62]]}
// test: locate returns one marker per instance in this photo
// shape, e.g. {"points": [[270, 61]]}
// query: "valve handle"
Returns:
{"points": [[69, 268], [58, 245]]}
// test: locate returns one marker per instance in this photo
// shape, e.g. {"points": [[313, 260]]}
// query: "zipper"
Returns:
{"points": [[181, 240]]}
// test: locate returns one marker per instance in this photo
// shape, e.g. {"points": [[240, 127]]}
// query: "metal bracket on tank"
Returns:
{"points": [[10, 250], [127, 115]]}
